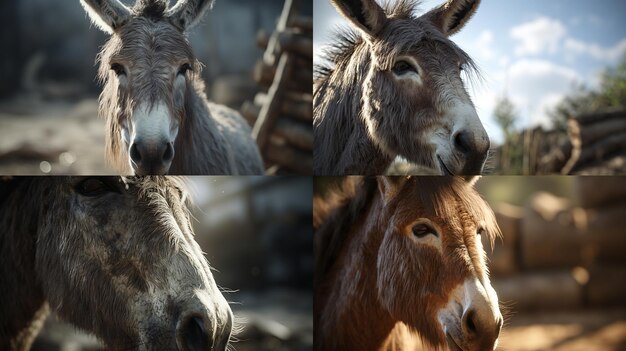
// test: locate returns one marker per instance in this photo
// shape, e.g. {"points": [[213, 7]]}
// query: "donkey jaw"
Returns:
{"points": [[471, 320]]}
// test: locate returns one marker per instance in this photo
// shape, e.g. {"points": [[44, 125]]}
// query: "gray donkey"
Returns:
{"points": [[158, 118], [393, 88], [113, 256]]}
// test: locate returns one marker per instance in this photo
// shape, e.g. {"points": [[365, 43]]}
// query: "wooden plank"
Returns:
{"points": [[289, 157], [270, 111]]}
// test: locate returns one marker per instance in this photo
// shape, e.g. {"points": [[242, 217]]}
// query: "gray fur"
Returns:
{"points": [[212, 139], [123, 264], [363, 118]]}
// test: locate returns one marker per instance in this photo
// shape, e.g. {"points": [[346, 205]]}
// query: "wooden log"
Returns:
{"points": [[250, 112], [616, 113], [503, 255], [600, 191], [539, 291], [262, 38], [295, 133], [606, 285], [555, 160], [592, 132], [296, 105], [289, 157], [296, 43], [600, 149], [303, 23], [270, 111], [605, 227], [548, 227], [301, 80]]}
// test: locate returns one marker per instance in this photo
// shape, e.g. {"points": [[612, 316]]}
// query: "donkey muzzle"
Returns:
{"points": [[151, 158], [471, 147]]}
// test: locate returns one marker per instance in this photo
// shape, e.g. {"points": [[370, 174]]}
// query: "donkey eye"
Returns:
{"points": [[420, 230], [118, 69], [93, 187], [184, 68], [403, 67]]}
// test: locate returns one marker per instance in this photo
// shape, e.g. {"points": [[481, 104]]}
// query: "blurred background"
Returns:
{"points": [[257, 235], [560, 267], [48, 89], [553, 94]]}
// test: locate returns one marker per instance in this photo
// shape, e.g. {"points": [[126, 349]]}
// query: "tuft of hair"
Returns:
{"points": [[150, 8], [347, 39]]}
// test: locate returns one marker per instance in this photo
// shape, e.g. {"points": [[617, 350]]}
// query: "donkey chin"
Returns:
{"points": [[471, 320]]}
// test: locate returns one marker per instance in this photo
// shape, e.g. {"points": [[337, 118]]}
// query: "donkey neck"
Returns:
{"points": [[353, 317], [25, 309], [199, 135], [343, 145]]}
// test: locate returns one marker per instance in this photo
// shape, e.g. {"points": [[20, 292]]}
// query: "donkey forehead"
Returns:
{"points": [[143, 38], [416, 37]]}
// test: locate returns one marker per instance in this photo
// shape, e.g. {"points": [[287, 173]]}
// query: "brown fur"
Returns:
{"points": [[364, 118], [375, 289], [106, 263]]}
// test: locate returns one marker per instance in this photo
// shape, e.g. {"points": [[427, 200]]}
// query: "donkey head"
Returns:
{"points": [[414, 102], [431, 266], [117, 257], [146, 67]]}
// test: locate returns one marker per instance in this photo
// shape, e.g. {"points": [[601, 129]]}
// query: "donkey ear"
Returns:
{"points": [[471, 180], [187, 13], [452, 16], [366, 15], [389, 186], [107, 15]]}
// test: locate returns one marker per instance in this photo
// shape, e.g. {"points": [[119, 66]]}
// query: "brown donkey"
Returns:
{"points": [[393, 89], [399, 261], [113, 256], [158, 118]]}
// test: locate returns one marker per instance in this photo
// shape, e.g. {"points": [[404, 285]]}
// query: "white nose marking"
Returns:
{"points": [[154, 125]]}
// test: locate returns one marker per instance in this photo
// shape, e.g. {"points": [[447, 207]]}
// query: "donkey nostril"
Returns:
{"points": [[135, 155], [462, 142], [168, 155], [469, 321], [195, 335]]}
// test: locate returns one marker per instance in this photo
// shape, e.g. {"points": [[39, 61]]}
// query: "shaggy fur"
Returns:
{"points": [[151, 46], [121, 263], [364, 118], [375, 289]]}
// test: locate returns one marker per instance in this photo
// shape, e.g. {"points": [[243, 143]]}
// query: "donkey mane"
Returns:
{"points": [[444, 197]]}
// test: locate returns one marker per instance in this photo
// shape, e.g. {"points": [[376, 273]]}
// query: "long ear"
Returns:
{"points": [[186, 13], [366, 15], [389, 186], [107, 15], [452, 16]]}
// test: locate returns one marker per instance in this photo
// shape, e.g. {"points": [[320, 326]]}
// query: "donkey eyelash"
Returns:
{"points": [[184, 69], [118, 69], [402, 67]]}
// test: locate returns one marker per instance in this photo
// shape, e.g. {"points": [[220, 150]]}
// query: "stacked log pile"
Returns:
{"points": [[558, 256], [593, 140], [282, 115]]}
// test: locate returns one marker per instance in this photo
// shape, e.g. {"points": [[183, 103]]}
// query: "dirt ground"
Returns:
{"points": [[38, 137], [591, 330]]}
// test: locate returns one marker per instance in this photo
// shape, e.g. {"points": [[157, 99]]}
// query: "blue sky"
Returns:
{"points": [[535, 50]]}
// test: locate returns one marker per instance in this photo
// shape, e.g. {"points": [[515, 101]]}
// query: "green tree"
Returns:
{"points": [[512, 150], [610, 94]]}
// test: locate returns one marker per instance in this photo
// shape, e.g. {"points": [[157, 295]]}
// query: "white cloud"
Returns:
{"points": [[537, 85], [610, 54], [543, 34], [483, 45]]}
